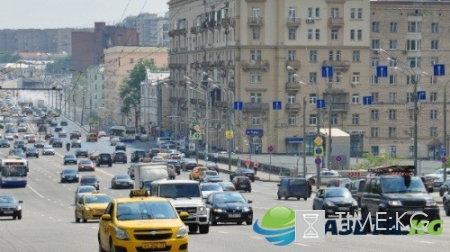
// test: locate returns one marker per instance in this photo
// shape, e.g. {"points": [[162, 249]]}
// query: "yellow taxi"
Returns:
{"points": [[142, 223], [91, 137], [91, 206], [164, 155], [196, 172]]}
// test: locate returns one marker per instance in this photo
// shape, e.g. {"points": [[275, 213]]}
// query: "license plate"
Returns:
{"points": [[8, 212], [234, 216], [243, 186], [154, 245], [70, 179], [343, 208]]}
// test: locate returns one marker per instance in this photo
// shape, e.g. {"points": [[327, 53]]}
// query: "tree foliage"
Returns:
{"points": [[6, 57], [370, 160], [59, 66]]}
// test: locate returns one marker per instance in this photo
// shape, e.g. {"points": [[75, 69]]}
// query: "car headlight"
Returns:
{"points": [[18, 208], [121, 234], [182, 232], [87, 208], [431, 202], [201, 210], [329, 203], [246, 209], [218, 210], [354, 203], [395, 203], [76, 175]]}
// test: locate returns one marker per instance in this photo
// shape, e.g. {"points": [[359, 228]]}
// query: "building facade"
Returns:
{"points": [[152, 29], [94, 99]]}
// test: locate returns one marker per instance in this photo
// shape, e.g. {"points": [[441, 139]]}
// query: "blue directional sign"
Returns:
{"points": [[320, 103], [382, 71], [443, 152], [254, 132], [421, 96], [238, 105], [327, 71], [367, 100], [276, 105], [439, 70]]}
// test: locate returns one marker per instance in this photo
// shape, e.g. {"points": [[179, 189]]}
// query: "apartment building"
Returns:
{"points": [[152, 29], [94, 98], [257, 52]]}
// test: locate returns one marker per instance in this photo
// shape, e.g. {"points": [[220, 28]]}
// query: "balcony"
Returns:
{"points": [[338, 65], [181, 31], [293, 22], [293, 63], [194, 65], [221, 63], [293, 107], [182, 83], [230, 64], [335, 22], [194, 30], [206, 64], [227, 22], [171, 33], [231, 85], [340, 100], [255, 106], [222, 104], [292, 86], [198, 101], [255, 21], [248, 65]]}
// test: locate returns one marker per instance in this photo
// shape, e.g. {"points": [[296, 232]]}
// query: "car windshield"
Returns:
{"points": [[48, 147], [337, 193], [179, 191], [70, 156], [69, 172], [211, 187], [86, 189], [400, 185], [145, 210], [123, 177], [297, 182], [89, 181], [7, 199], [97, 199], [211, 173], [228, 198], [226, 184]]}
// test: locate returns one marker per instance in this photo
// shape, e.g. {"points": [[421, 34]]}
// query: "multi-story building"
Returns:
{"points": [[118, 62], [150, 28], [94, 99], [258, 52]]}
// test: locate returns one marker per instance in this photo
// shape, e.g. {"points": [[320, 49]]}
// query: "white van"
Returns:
{"points": [[161, 140]]}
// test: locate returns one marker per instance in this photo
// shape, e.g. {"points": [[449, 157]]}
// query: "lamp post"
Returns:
{"points": [[445, 143]]}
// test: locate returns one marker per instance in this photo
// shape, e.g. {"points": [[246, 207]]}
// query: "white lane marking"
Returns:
{"points": [[37, 179], [223, 232], [94, 227], [301, 244], [257, 237], [40, 195], [426, 242], [107, 173]]}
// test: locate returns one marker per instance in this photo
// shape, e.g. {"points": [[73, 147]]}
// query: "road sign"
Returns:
{"points": [[197, 136], [382, 71], [317, 161], [276, 105], [327, 71], [254, 132], [318, 140], [90, 120], [421, 95], [238, 105], [270, 149], [439, 70], [197, 128], [444, 160], [320, 103], [338, 159], [443, 152], [229, 134], [318, 151], [192, 146], [96, 123], [247, 162], [367, 100]]}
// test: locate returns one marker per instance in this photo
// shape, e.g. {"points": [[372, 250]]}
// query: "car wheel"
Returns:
{"points": [[447, 208], [112, 186], [109, 165], [193, 228], [279, 197], [305, 198], [298, 198], [14, 217], [37, 156], [19, 216], [250, 222], [441, 193], [204, 229], [239, 222], [77, 220]]}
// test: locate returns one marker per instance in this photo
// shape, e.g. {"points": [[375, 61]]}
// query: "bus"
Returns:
{"points": [[125, 134], [13, 172]]}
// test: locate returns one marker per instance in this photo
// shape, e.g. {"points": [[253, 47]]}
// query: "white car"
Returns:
{"points": [[48, 150], [22, 128], [9, 136], [114, 141]]}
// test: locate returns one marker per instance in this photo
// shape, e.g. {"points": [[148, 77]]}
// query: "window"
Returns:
{"points": [[359, 35], [414, 62], [413, 44], [392, 114], [393, 97], [292, 34], [338, 55], [317, 12], [310, 12], [313, 56], [291, 77], [334, 119], [256, 33], [393, 62], [256, 13], [375, 62], [310, 33], [317, 34], [255, 97], [375, 27], [331, 55], [334, 12], [393, 44], [375, 150], [355, 119], [355, 98], [352, 34], [433, 114], [291, 98], [392, 132], [433, 96], [292, 12], [338, 77], [435, 44], [411, 114], [409, 97], [255, 77], [374, 80], [434, 27], [352, 13], [375, 97], [374, 132], [393, 79], [414, 27], [393, 27], [291, 120], [334, 34], [312, 119], [255, 55], [433, 131], [375, 44], [312, 99], [355, 78], [356, 56], [256, 120], [131, 60], [360, 10], [292, 55], [312, 77], [374, 114]]}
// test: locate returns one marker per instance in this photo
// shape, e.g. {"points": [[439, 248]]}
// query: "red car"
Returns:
{"points": [[31, 139], [86, 165]]}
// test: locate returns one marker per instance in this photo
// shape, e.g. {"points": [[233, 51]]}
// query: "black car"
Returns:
{"points": [[188, 164], [69, 175], [335, 199], [4, 143], [76, 143], [57, 143], [9, 206], [442, 186], [58, 129], [121, 146], [229, 207], [75, 135], [64, 123], [81, 153], [48, 136], [39, 143], [122, 181], [53, 123], [90, 180], [32, 152], [119, 157], [70, 159], [104, 159], [137, 155], [243, 172], [242, 183], [20, 144], [356, 189]]}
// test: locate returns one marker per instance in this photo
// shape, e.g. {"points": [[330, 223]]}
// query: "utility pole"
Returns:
{"points": [[304, 138], [196, 120], [318, 135], [416, 112], [229, 129], [444, 143], [74, 108], [207, 123], [328, 143], [82, 109]]}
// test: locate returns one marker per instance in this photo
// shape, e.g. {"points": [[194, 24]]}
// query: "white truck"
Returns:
{"points": [[144, 172], [185, 196]]}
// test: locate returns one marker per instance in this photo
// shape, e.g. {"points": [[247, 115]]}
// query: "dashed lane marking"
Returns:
{"points": [[223, 232], [40, 195], [257, 237], [301, 244], [426, 242], [107, 173]]}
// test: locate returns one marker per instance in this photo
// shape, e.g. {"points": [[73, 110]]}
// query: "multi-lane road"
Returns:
{"points": [[48, 222]]}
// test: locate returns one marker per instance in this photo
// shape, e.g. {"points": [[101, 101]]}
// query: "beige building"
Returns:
{"points": [[258, 52], [118, 62]]}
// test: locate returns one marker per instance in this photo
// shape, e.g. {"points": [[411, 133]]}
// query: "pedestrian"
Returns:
{"points": [[216, 157], [255, 166], [309, 188]]}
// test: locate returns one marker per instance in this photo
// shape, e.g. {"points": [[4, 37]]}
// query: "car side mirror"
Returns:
{"points": [[250, 201], [184, 215], [106, 217]]}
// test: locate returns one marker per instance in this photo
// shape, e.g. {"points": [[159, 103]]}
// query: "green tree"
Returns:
{"points": [[6, 57], [370, 160], [130, 90], [59, 66]]}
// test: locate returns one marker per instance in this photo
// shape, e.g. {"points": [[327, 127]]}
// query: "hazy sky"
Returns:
{"points": [[40, 14]]}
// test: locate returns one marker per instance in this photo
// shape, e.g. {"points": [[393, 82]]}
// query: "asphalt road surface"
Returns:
{"points": [[48, 222]]}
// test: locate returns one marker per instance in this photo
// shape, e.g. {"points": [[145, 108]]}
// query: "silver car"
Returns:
{"points": [[325, 176], [83, 190]]}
